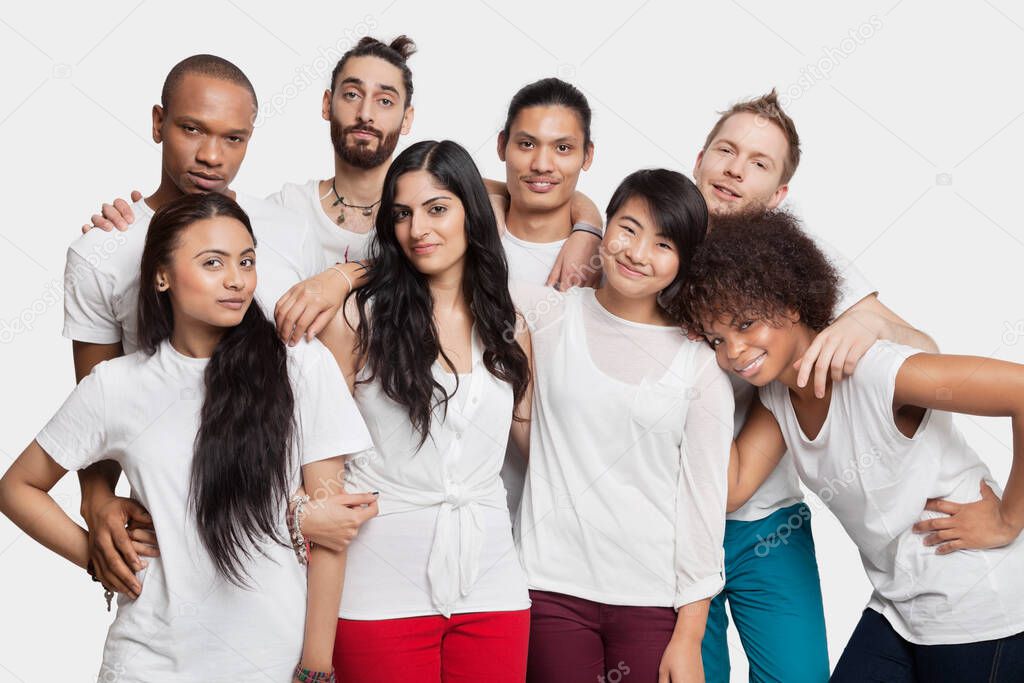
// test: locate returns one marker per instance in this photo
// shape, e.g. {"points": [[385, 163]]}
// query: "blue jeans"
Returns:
{"points": [[877, 653], [774, 594]]}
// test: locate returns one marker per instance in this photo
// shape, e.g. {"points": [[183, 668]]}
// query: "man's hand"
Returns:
{"points": [[681, 661], [120, 531], [118, 215], [969, 526], [499, 204], [308, 306], [838, 348], [335, 521], [578, 263]]}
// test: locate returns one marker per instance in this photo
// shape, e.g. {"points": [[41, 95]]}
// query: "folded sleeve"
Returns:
{"points": [[329, 423], [88, 303], [76, 436], [703, 479]]}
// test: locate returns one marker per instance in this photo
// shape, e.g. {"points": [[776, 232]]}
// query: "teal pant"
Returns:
{"points": [[774, 594]]}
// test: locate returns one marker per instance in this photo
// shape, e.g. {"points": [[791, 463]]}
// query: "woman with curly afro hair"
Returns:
{"points": [[881, 451]]}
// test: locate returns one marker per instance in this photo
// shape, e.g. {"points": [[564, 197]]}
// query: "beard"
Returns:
{"points": [[360, 154]]}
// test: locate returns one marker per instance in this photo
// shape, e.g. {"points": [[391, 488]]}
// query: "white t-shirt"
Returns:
{"points": [[190, 624], [782, 488], [339, 244], [876, 481], [442, 543], [629, 453], [529, 263], [101, 277]]}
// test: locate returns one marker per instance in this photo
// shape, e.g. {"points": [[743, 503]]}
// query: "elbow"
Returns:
{"points": [[732, 505]]}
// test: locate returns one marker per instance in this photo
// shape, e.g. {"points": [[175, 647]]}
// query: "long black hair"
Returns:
{"points": [[397, 335], [241, 464], [678, 209]]}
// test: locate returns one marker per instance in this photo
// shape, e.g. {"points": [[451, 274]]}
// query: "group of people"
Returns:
{"points": [[460, 429]]}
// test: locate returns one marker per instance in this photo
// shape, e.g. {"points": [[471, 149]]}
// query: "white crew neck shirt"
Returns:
{"points": [[626, 490], [876, 481], [782, 487], [101, 277], [442, 543], [530, 262], [339, 243], [190, 624]]}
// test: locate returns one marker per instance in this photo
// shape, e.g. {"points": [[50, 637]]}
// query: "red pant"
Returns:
{"points": [[467, 648]]}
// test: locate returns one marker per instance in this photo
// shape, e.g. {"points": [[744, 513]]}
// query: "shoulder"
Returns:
{"points": [[879, 365], [292, 194], [271, 219], [306, 357], [110, 252]]}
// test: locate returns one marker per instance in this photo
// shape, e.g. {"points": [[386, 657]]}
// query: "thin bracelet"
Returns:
{"points": [[295, 528], [587, 228], [337, 269], [310, 676]]}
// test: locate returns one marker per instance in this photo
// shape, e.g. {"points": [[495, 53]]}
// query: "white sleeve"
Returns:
{"points": [[703, 480], [76, 436], [539, 305], [314, 259], [853, 286], [329, 423], [88, 303], [277, 197]]}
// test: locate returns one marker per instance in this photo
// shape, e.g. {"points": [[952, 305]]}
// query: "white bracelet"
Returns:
{"points": [[337, 269]]}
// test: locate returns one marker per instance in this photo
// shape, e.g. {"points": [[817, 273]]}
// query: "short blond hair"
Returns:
{"points": [[766, 106]]}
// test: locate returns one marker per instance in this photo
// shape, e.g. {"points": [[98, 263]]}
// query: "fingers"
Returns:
{"points": [[116, 571], [123, 543], [143, 536], [987, 493], [352, 499], [107, 579], [304, 321], [114, 217], [807, 361], [135, 195], [553, 276], [319, 323], [281, 312], [944, 506], [365, 513], [942, 535], [98, 221], [952, 546], [822, 367], [928, 525], [124, 215]]}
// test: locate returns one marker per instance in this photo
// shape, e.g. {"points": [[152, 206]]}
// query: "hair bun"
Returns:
{"points": [[404, 46]]}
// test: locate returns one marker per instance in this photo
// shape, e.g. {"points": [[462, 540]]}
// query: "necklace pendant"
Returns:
{"points": [[367, 210], [341, 217]]}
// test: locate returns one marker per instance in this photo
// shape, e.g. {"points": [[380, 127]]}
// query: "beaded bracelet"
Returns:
{"points": [[295, 528], [308, 676]]}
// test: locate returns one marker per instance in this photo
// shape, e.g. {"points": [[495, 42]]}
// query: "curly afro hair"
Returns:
{"points": [[758, 267]]}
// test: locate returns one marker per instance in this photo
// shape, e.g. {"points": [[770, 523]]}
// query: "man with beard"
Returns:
{"points": [[771, 572], [369, 105]]}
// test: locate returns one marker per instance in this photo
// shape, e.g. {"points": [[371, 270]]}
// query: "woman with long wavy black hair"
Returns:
{"points": [[433, 588], [212, 421]]}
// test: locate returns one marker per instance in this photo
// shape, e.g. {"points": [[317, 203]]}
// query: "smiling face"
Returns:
{"points": [[204, 132], [430, 223], [211, 275], [638, 259], [758, 351], [367, 111], [544, 154], [741, 169]]}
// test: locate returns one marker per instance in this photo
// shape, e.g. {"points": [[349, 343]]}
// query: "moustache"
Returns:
{"points": [[363, 129]]}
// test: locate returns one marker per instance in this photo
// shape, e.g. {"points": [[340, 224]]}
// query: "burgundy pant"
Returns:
{"points": [[573, 640], [467, 648]]}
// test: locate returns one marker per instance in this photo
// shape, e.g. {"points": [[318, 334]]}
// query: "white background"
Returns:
{"points": [[912, 142]]}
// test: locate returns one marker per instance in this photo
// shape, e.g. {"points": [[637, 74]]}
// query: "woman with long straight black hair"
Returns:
{"points": [[433, 588], [212, 421]]}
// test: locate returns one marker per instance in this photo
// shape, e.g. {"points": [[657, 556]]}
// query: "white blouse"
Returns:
{"points": [[442, 543], [876, 481], [629, 450]]}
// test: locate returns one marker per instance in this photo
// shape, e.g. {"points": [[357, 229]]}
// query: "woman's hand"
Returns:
{"points": [[968, 526], [334, 521], [120, 534], [681, 662], [307, 307]]}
